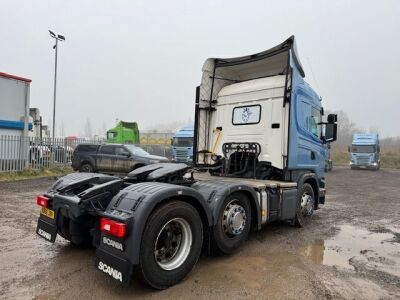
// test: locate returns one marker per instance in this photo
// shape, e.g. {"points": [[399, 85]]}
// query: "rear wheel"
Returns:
{"points": [[171, 244], [305, 205], [233, 224], [86, 168]]}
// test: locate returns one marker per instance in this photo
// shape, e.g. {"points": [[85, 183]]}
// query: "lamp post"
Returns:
{"points": [[57, 37]]}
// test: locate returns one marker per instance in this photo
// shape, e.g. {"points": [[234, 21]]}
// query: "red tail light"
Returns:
{"points": [[42, 201], [112, 227]]}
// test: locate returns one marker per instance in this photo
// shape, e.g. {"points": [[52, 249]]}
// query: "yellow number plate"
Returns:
{"points": [[47, 212]]}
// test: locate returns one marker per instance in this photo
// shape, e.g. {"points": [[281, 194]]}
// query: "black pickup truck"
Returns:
{"points": [[111, 158]]}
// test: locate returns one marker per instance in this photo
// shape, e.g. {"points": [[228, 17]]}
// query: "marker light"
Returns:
{"points": [[42, 201], [112, 227]]}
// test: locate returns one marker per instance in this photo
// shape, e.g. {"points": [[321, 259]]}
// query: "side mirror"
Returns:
{"points": [[332, 118], [330, 132], [348, 148], [378, 149], [172, 141]]}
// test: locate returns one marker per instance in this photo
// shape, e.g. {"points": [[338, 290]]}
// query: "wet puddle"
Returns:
{"points": [[353, 246]]}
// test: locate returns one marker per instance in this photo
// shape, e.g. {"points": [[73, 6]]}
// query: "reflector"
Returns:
{"points": [[42, 201], [112, 227]]}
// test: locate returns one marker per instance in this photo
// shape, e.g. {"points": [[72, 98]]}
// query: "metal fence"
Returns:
{"points": [[156, 138], [18, 153]]}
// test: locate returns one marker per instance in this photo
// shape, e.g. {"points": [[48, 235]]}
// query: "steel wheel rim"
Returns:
{"points": [[234, 219], [173, 244], [306, 205], [86, 168]]}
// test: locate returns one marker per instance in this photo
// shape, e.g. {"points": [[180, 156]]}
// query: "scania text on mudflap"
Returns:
{"points": [[258, 157]]}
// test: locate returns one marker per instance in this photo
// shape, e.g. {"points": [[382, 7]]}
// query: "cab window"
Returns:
{"points": [[111, 135], [121, 151], [107, 149], [310, 118], [315, 126]]}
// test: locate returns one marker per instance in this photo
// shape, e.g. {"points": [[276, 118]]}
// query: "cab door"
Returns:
{"points": [[105, 158], [310, 152], [122, 160]]}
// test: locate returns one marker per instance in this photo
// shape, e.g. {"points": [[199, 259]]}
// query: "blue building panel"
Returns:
{"points": [[18, 125]]}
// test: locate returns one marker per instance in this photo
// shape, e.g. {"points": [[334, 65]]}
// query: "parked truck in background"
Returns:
{"points": [[259, 138], [365, 151], [182, 145], [124, 133]]}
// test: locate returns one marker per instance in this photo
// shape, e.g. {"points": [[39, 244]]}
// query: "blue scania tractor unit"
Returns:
{"points": [[365, 151], [258, 157], [182, 145]]}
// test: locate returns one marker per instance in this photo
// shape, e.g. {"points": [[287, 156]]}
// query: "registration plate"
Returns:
{"points": [[47, 212]]}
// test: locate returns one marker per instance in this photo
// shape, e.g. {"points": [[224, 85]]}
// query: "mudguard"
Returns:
{"points": [[133, 206], [215, 192], [76, 198], [311, 177], [74, 180]]}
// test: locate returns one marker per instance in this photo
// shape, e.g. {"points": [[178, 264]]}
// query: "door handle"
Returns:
{"points": [[312, 155]]}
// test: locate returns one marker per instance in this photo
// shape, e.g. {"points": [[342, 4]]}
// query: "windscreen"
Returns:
{"points": [[182, 141], [111, 135], [136, 150], [363, 148]]}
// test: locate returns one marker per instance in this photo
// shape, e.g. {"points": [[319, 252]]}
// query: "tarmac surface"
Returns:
{"points": [[350, 250]]}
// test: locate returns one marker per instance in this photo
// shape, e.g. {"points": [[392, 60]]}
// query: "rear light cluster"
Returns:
{"points": [[42, 201], [114, 228]]}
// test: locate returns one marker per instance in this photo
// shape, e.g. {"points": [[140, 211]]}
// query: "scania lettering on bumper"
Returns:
{"points": [[44, 234], [110, 271]]}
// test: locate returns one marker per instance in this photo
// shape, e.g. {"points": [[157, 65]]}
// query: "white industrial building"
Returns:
{"points": [[14, 119], [14, 105]]}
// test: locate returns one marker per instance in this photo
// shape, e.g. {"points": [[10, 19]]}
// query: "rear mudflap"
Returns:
{"points": [[116, 267], [46, 229]]}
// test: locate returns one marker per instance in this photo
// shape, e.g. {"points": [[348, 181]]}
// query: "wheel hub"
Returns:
{"points": [[173, 244], [307, 204], [234, 219]]}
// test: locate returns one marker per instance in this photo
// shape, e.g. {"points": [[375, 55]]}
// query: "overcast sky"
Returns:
{"points": [[141, 60]]}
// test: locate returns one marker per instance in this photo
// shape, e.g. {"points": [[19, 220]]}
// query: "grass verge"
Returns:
{"points": [[31, 173]]}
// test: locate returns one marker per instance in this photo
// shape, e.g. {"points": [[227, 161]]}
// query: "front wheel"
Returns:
{"points": [[171, 244], [305, 205], [86, 168]]}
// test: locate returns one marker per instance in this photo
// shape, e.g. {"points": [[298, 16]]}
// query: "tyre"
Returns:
{"points": [[171, 244], [233, 224], [305, 205], [86, 167]]}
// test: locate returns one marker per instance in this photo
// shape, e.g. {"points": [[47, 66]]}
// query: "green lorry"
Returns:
{"points": [[124, 133]]}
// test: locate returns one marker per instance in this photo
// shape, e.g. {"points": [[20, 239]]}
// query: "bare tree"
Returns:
{"points": [[88, 129], [346, 129], [104, 128], [62, 129]]}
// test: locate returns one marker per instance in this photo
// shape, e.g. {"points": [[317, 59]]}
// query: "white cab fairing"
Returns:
{"points": [[252, 111]]}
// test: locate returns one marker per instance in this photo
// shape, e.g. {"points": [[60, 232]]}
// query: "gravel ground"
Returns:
{"points": [[351, 250]]}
